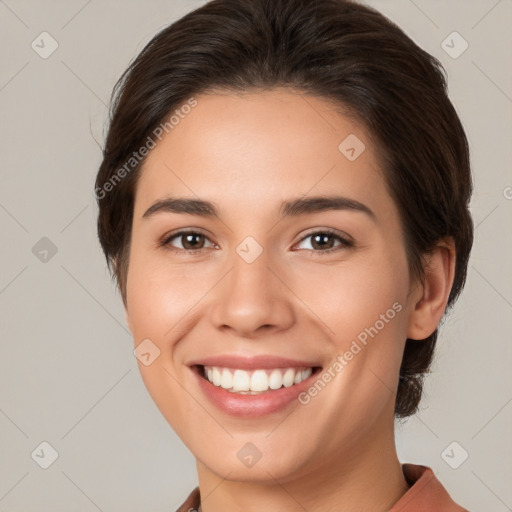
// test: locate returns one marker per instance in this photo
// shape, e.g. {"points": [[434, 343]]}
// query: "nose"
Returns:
{"points": [[252, 299]]}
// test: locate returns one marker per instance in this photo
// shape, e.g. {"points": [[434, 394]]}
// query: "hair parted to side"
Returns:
{"points": [[342, 51]]}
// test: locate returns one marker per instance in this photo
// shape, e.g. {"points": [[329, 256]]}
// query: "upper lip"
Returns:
{"points": [[252, 362]]}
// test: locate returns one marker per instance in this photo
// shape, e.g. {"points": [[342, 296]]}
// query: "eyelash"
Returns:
{"points": [[345, 244]]}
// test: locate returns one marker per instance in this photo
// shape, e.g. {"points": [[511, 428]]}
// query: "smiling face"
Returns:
{"points": [[262, 277]]}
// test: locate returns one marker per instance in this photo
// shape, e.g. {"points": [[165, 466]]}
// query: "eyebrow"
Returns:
{"points": [[292, 208]]}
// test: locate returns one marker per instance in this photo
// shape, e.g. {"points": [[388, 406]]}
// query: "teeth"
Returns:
{"points": [[255, 381], [288, 377], [275, 380], [226, 380], [216, 378], [259, 381], [241, 380]]}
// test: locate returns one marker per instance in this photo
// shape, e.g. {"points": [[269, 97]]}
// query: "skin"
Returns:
{"points": [[248, 153]]}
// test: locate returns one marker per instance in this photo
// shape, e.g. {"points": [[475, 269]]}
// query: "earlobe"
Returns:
{"points": [[432, 295]]}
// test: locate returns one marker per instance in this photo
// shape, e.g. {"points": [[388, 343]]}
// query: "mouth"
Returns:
{"points": [[256, 381], [255, 386]]}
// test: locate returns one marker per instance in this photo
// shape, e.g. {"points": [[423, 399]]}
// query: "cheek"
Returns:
{"points": [[158, 302], [166, 300], [362, 305], [352, 296], [156, 298]]}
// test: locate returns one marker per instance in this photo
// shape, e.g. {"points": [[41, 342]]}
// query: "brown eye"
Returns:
{"points": [[324, 241], [192, 241], [189, 241]]}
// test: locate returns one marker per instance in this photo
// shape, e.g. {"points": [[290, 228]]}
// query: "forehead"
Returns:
{"points": [[254, 148]]}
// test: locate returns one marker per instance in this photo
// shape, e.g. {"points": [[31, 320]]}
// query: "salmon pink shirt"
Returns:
{"points": [[425, 494]]}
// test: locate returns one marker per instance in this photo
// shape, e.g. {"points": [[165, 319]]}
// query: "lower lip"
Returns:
{"points": [[252, 406]]}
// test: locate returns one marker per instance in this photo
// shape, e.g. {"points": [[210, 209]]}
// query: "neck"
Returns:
{"points": [[364, 477]]}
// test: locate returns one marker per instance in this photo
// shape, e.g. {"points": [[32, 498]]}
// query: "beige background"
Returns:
{"points": [[67, 371]]}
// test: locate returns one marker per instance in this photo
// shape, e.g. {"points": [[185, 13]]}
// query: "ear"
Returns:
{"points": [[431, 296]]}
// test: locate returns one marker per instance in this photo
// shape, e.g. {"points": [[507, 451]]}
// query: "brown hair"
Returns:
{"points": [[335, 49]]}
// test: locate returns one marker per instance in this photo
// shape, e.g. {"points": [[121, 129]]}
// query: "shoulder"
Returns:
{"points": [[426, 492]]}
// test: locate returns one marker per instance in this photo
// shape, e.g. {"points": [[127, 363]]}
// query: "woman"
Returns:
{"points": [[283, 201]]}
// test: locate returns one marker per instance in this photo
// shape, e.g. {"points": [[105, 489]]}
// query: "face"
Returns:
{"points": [[298, 262]]}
